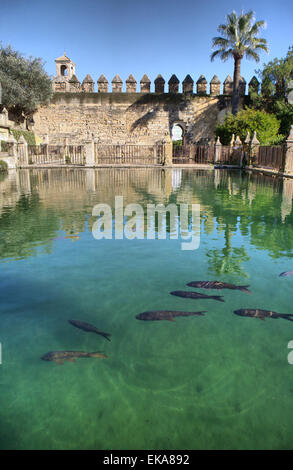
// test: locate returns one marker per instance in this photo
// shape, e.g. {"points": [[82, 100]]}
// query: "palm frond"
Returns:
{"points": [[232, 31], [262, 41], [219, 41], [232, 18], [254, 30], [251, 54], [244, 21], [214, 54], [222, 28], [262, 47], [223, 53]]}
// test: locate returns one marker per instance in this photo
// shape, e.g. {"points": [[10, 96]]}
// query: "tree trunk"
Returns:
{"points": [[236, 80]]}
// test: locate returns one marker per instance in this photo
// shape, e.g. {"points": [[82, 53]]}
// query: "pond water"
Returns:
{"points": [[212, 382]]}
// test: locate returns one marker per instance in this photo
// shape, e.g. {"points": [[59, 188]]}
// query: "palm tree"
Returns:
{"points": [[240, 38]]}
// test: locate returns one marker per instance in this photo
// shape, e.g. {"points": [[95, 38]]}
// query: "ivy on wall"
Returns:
{"points": [[28, 135]]}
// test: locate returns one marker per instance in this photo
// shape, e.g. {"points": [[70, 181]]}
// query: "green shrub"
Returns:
{"points": [[4, 146], [177, 143], [277, 140], [3, 166], [28, 135], [249, 120], [67, 159]]}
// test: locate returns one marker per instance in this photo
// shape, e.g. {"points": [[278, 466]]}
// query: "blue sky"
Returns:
{"points": [[137, 36]]}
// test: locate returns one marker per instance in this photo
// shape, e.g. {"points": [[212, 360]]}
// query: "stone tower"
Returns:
{"points": [[65, 70]]}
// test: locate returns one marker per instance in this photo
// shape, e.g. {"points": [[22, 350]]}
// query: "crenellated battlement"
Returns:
{"points": [[67, 81], [188, 85]]}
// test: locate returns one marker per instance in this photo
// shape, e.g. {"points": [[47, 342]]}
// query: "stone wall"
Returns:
{"points": [[6, 125], [120, 118]]}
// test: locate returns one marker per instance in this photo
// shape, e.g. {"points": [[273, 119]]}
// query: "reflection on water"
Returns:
{"points": [[216, 381], [35, 205]]}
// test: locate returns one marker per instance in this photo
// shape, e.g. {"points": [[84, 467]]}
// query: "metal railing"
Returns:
{"points": [[129, 154]]}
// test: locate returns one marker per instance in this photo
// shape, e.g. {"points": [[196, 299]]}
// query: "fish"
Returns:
{"points": [[89, 328], [72, 237], [286, 273], [166, 315], [217, 285], [262, 314], [196, 295], [60, 356]]}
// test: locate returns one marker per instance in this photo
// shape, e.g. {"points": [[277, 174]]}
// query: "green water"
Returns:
{"points": [[213, 382]]}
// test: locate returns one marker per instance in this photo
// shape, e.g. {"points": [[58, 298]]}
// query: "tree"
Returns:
{"points": [[276, 82], [25, 84], [240, 38], [276, 75]]}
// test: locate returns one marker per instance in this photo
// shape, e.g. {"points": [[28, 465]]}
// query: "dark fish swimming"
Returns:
{"points": [[60, 356], [166, 315], [89, 328], [262, 314], [286, 273], [217, 285], [196, 295]]}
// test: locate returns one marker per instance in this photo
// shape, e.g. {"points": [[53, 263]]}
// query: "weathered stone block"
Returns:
{"points": [[102, 84], [145, 84], [201, 85], [130, 84], [74, 85], [88, 85], [242, 86], [228, 86], [117, 84], [173, 84], [159, 84], [215, 85], [187, 84]]}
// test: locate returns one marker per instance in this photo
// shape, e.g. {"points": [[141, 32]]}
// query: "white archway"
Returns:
{"points": [[178, 131]]}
